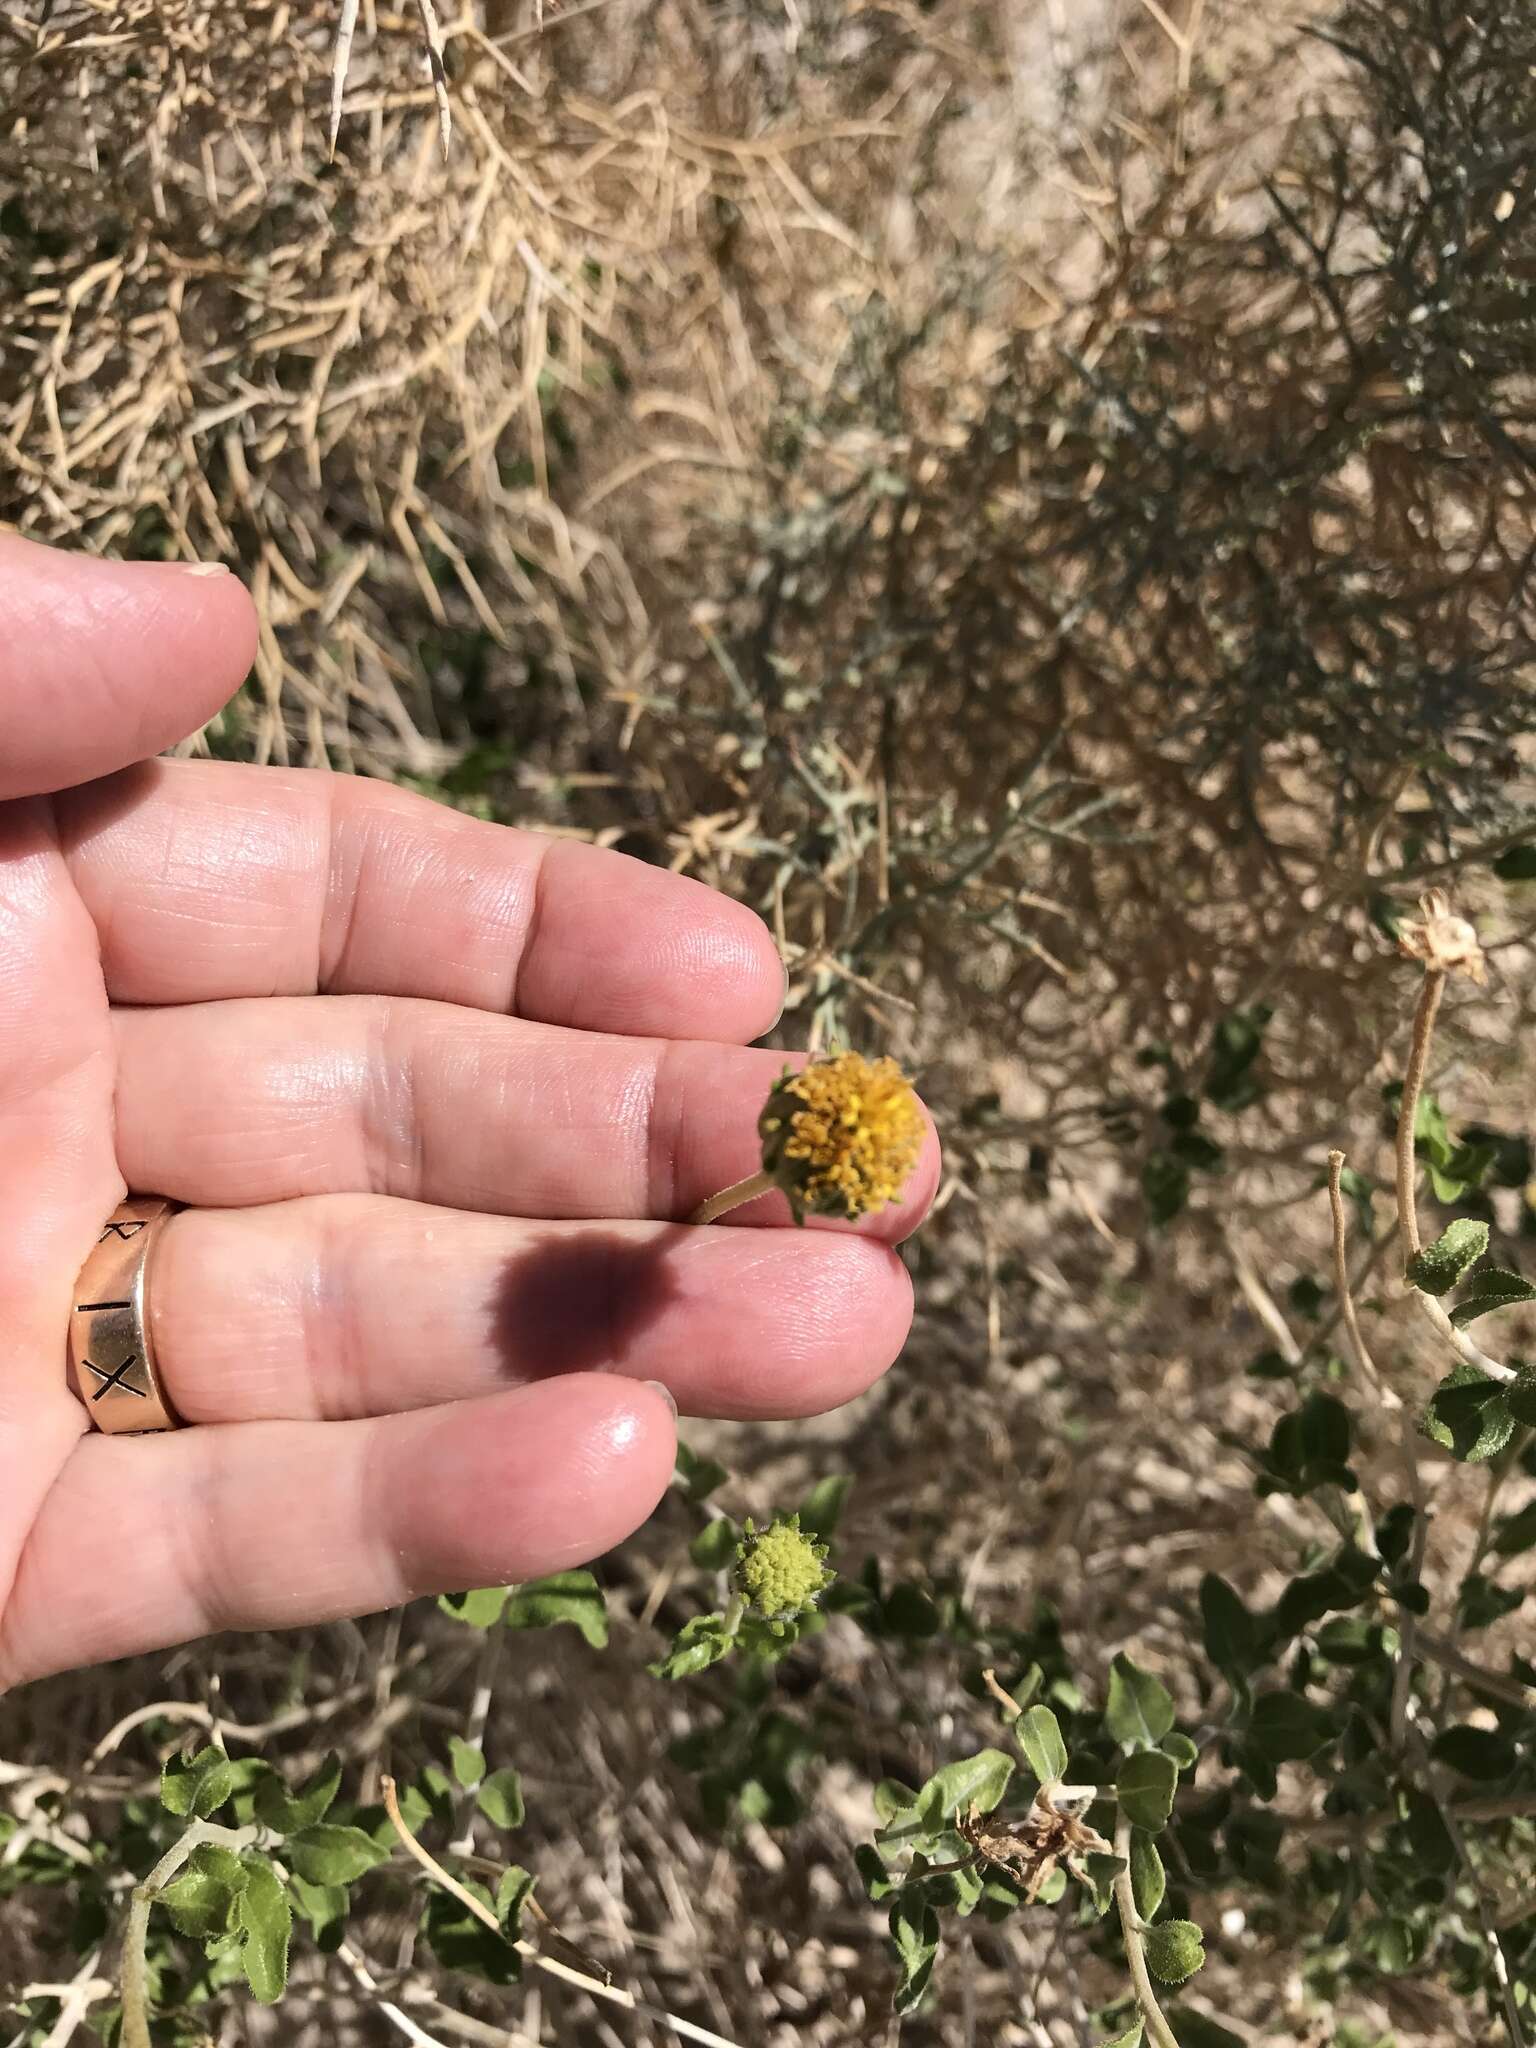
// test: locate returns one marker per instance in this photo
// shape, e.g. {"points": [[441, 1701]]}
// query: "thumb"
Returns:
{"points": [[104, 663]]}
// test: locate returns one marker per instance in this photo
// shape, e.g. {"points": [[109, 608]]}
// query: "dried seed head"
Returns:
{"points": [[841, 1137], [1446, 944]]}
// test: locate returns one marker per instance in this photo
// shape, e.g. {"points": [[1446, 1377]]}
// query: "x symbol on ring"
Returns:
{"points": [[115, 1379]]}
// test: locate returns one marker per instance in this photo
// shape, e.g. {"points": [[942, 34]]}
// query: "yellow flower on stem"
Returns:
{"points": [[840, 1138]]}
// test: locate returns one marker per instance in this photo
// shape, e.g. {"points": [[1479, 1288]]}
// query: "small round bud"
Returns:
{"points": [[779, 1571]]}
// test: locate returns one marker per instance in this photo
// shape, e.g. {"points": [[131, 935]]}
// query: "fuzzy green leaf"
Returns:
{"points": [[700, 1476], [500, 1798], [266, 1920], [1145, 1788], [327, 1854], [1470, 1415], [1038, 1734], [1148, 1879], [286, 1813], [574, 1598], [468, 1761], [1437, 1268], [700, 1642], [201, 1897], [1231, 1633], [513, 1891], [1140, 1709], [822, 1508], [1488, 1290], [199, 1785], [915, 1933], [1288, 1729], [478, 1609], [715, 1545]]}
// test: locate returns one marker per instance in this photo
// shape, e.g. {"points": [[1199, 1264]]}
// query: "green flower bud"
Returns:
{"points": [[779, 1570]]}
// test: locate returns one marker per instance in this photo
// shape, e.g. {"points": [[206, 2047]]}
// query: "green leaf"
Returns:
{"points": [[1520, 1398], [1478, 1753], [1145, 1788], [1100, 1872], [199, 1785], [201, 1897], [915, 1933], [1140, 1709], [571, 1597], [1131, 2038], [468, 1761], [266, 1921], [878, 1881], [700, 1642], [462, 1942], [1148, 1880], [1231, 1633], [285, 1813], [822, 1508], [479, 1609], [1470, 1415], [700, 1476], [1324, 1429], [892, 1797], [323, 1906], [1516, 1532], [1164, 1187], [978, 1781], [1437, 1268], [500, 1798], [1493, 1288], [1175, 1950], [1038, 1734], [1433, 1846], [1185, 1753], [513, 1891], [1229, 1081], [327, 1854], [715, 1545], [1288, 1729]]}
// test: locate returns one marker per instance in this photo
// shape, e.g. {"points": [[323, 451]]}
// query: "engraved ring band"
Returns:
{"points": [[111, 1349]]}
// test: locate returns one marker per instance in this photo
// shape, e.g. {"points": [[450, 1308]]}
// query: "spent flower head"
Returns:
{"points": [[779, 1571], [842, 1136], [1446, 943]]}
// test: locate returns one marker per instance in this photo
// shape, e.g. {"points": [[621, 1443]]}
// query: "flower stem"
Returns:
{"points": [[595, 1986], [746, 1190], [135, 1967], [1158, 2030], [1407, 1176]]}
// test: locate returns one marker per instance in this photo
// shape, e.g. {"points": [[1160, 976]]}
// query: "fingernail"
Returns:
{"points": [[201, 568], [665, 1393], [783, 999]]}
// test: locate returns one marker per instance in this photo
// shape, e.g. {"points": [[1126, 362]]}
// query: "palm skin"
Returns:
{"points": [[434, 1092]]}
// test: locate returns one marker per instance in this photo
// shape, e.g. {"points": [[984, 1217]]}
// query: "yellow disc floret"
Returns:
{"points": [[779, 1570], [842, 1136]]}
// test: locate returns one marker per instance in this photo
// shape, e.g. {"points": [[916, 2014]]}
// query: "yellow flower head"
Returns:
{"points": [[841, 1137]]}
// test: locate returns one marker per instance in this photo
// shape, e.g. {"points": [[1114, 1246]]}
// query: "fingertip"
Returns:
{"points": [[103, 663]]}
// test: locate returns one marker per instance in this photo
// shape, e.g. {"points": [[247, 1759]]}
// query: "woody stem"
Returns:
{"points": [[746, 1190], [1158, 2030]]}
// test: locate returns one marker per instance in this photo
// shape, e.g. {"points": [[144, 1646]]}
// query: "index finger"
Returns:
{"points": [[209, 880], [104, 662]]}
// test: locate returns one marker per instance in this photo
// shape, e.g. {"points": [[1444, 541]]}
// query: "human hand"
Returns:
{"points": [[432, 1089]]}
